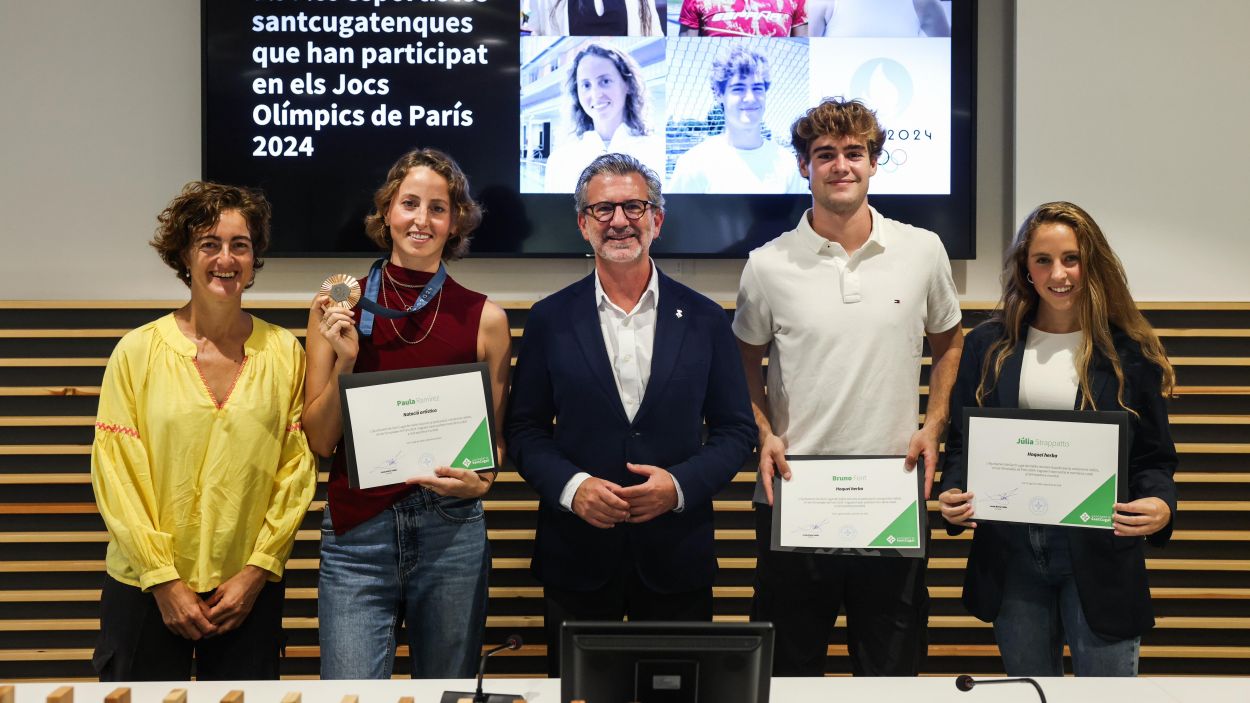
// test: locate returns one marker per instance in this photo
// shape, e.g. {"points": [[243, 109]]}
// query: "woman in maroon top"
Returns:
{"points": [[412, 553]]}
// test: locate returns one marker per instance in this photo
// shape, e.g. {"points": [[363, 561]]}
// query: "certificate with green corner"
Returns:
{"points": [[1046, 467], [870, 506], [402, 424]]}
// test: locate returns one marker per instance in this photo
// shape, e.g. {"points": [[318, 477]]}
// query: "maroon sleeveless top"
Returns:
{"points": [[451, 321]]}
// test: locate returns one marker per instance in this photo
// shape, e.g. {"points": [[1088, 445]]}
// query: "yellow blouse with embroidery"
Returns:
{"points": [[192, 488]]}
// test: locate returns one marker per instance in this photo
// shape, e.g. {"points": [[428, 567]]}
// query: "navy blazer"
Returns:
{"points": [[563, 374], [1110, 571]]}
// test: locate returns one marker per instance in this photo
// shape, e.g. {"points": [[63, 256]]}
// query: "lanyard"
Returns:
{"points": [[370, 307]]}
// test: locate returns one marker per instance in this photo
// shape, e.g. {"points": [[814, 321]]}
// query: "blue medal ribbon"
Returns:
{"points": [[370, 307]]}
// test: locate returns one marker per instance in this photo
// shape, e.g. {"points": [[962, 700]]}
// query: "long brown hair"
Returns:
{"points": [[635, 116], [1104, 301]]}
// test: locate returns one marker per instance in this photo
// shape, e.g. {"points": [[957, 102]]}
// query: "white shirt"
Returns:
{"points": [[570, 157], [714, 165], [868, 18], [629, 338], [846, 334], [1048, 379]]}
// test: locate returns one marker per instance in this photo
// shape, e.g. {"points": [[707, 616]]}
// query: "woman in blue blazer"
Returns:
{"points": [[1066, 335]]}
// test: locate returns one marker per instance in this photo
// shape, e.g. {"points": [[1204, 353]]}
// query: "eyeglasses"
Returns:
{"points": [[605, 211]]}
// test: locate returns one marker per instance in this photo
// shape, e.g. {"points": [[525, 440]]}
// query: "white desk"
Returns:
{"points": [[784, 690]]}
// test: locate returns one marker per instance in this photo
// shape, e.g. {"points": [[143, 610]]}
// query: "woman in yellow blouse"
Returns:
{"points": [[200, 466]]}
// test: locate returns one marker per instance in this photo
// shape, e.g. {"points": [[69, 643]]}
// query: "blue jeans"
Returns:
{"points": [[1041, 609], [422, 562]]}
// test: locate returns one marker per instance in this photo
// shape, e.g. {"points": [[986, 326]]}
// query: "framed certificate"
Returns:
{"points": [[406, 423], [1046, 467], [869, 506]]}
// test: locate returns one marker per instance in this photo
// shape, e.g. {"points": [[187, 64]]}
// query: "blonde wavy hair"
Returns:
{"points": [[1104, 301]]}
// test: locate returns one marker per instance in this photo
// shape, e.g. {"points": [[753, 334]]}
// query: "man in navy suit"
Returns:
{"points": [[629, 364]]}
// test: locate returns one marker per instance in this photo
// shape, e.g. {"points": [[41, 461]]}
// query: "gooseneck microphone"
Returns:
{"points": [[512, 642], [965, 682]]}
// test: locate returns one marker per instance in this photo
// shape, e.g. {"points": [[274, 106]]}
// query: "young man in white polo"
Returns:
{"points": [[841, 305]]}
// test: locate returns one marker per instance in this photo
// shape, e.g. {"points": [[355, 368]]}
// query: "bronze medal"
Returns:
{"points": [[344, 291]]}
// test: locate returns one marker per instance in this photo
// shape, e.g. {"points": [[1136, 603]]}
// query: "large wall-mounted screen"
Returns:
{"points": [[312, 100]]}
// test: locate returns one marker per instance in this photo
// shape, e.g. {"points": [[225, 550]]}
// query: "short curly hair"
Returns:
{"points": [[737, 62], [198, 208], [838, 118], [466, 213]]}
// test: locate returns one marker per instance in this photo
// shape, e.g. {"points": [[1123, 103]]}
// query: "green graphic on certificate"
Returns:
{"points": [[477, 452], [1096, 509], [903, 532]]}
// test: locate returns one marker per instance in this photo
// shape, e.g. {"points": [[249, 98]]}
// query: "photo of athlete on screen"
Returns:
{"points": [[743, 18], [602, 91], [738, 158], [879, 18], [592, 18]]}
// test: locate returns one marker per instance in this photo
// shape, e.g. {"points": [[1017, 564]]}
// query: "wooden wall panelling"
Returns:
{"points": [[52, 540]]}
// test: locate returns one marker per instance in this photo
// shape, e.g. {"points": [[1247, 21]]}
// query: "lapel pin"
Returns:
{"points": [[678, 313]]}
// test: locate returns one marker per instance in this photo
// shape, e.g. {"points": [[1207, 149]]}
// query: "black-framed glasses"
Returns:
{"points": [[605, 211]]}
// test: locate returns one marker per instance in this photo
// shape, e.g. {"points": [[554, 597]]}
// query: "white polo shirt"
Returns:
{"points": [[846, 333]]}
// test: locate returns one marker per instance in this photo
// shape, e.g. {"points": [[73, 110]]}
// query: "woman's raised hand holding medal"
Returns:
{"points": [[338, 295]]}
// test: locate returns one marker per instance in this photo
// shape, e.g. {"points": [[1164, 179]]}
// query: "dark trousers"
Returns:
{"points": [[624, 596], [135, 644], [886, 602]]}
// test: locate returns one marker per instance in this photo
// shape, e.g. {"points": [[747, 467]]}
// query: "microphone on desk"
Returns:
{"points": [[512, 642], [965, 682]]}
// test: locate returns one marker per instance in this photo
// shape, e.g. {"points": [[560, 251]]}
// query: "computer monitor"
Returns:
{"points": [[665, 662]]}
